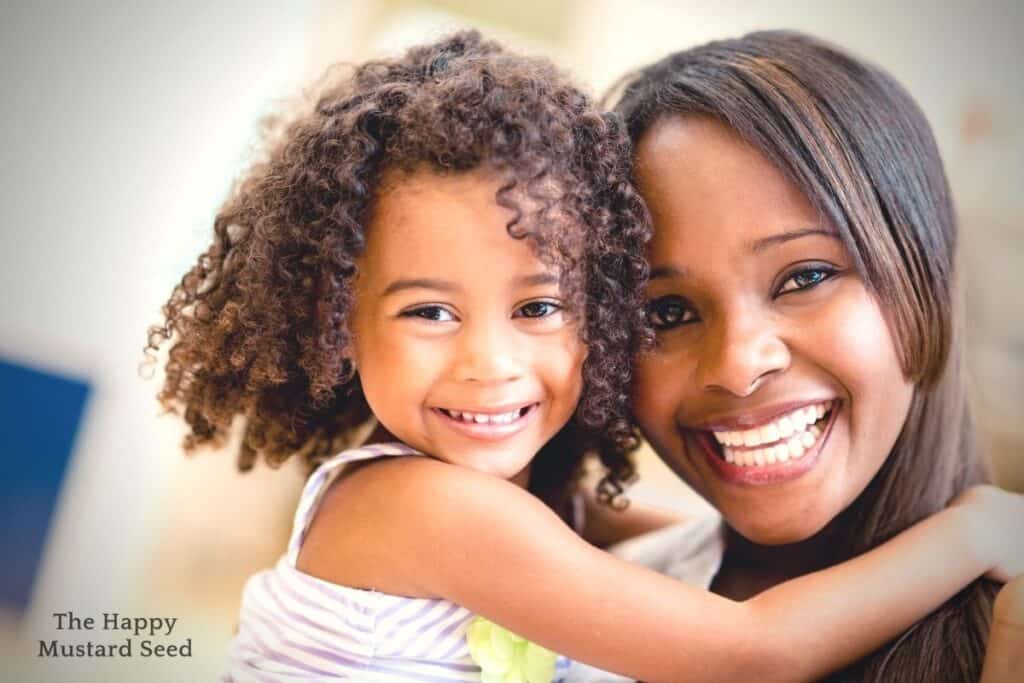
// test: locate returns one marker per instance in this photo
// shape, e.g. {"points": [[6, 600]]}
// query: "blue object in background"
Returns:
{"points": [[39, 416]]}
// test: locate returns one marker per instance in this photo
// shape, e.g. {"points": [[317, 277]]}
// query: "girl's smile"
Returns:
{"points": [[493, 424]]}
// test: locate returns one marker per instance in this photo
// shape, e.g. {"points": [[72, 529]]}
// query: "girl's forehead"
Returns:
{"points": [[428, 224]]}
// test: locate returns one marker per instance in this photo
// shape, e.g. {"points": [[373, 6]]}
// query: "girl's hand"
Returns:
{"points": [[1004, 655], [997, 529]]}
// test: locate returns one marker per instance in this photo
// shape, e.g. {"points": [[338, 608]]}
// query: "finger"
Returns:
{"points": [[1004, 656]]}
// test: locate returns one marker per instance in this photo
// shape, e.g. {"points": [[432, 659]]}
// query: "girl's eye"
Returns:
{"points": [[806, 279], [537, 309], [437, 314], [667, 312]]}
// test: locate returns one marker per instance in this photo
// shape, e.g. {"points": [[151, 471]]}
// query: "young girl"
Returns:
{"points": [[447, 249]]}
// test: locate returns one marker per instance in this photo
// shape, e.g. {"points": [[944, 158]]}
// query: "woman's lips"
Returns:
{"points": [[771, 457], [493, 425]]}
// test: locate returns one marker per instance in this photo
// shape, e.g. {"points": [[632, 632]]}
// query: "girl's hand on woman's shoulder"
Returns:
{"points": [[996, 528], [1004, 655]]}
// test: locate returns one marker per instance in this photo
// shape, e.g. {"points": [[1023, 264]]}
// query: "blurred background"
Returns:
{"points": [[123, 126]]}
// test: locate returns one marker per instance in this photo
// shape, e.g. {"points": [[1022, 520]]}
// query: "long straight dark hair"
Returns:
{"points": [[857, 145]]}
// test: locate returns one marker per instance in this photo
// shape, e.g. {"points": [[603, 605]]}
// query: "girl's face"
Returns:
{"points": [[774, 389], [461, 343]]}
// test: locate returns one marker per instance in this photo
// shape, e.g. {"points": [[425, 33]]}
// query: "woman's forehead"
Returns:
{"points": [[703, 183]]}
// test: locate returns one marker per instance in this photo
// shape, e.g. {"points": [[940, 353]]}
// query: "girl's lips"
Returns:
{"points": [[487, 431], [776, 473]]}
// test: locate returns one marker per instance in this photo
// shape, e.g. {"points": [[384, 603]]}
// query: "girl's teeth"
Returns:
{"points": [[483, 418]]}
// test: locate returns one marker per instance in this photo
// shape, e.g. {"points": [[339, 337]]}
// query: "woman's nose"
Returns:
{"points": [[740, 353], [488, 353]]}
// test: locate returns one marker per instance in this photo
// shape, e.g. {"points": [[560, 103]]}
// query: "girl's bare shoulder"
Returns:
{"points": [[378, 523]]}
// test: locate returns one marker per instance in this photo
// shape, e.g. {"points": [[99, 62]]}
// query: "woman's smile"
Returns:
{"points": [[744, 449]]}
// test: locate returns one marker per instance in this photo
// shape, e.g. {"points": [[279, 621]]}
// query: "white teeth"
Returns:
{"points": [[791, 440], [780, 429], [484, 418]]}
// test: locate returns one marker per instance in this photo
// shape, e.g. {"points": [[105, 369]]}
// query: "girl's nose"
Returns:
{"points": [[740, 354], [488, 353]]}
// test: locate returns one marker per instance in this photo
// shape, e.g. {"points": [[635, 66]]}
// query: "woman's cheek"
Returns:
{"points": [[864, 361]]}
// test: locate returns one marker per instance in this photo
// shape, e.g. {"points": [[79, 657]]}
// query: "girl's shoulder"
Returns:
{"points": [[375, 525]]}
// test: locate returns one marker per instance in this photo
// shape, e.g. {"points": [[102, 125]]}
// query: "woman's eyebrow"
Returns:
{"points": [[759, 245], [661, 272], [418, 283]]}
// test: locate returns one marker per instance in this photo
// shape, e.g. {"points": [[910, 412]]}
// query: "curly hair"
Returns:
{"points": [[259, 323]]}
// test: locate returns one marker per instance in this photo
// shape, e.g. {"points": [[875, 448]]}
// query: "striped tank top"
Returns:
{"points": [[296, 627]]}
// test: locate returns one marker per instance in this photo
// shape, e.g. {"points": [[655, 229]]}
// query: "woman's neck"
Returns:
{"points": [[749, 568]]}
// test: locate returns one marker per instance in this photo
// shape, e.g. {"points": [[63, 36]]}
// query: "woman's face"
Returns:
{"points": [[774, 388]]}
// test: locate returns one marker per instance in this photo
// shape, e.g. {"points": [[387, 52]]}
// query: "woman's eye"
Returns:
{"points": [[805, 279], [537, 309], [437, 314], [668, 312]]}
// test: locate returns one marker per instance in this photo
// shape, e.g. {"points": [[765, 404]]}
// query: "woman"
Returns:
{"points": [[804, 260]]}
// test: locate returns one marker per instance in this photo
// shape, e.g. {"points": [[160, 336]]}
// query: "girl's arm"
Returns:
{"points": [[1004, 655], [425, 528]]}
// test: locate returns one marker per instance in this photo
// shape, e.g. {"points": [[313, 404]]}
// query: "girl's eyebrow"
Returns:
{"points": [[418, 283], [757, 246], [538, 279], [446, 286]]}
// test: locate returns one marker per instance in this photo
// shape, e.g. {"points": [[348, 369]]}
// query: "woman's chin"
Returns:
{"points": [[772, 532]]}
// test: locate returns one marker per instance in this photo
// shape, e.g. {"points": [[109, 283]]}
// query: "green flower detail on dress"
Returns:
{"points": [[504, 657]]}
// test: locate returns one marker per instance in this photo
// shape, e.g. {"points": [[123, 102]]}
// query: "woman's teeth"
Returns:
{"points": [[787, 438], [484, 418]]}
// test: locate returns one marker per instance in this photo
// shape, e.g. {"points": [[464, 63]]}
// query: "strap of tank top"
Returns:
{"points": [[322, 477]]}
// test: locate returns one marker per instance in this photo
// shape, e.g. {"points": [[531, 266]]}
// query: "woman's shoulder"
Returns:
{"points": [[690, 551]]}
